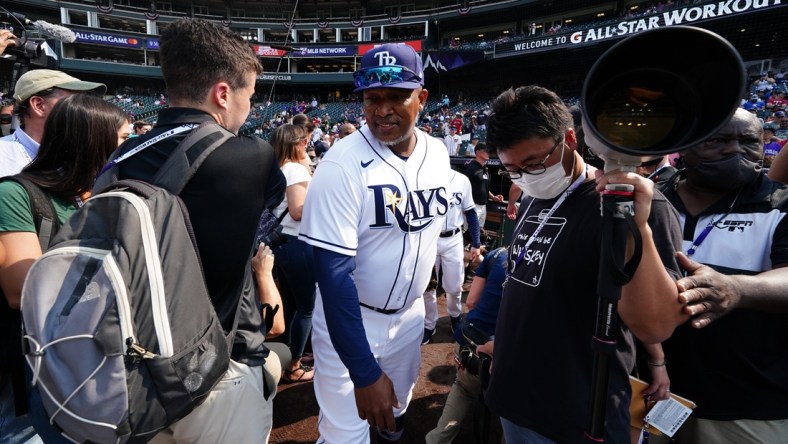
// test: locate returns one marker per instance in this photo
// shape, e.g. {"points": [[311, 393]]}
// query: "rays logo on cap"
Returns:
{"points": [[390, 65], [385, 59]]}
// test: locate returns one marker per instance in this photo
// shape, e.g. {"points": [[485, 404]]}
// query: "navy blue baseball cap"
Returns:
{"points": [[391, 65]]}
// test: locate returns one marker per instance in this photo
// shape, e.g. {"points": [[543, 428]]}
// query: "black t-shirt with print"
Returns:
{"points": [[543, 359]]}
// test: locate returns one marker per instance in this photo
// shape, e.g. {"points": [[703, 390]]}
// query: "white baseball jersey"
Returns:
{"points": [[453, 144], [460, 201], [366, 201]]}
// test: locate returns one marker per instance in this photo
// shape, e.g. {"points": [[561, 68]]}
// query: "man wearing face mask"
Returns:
{"points": [[6, 117], [543, 355], [735, 252]]}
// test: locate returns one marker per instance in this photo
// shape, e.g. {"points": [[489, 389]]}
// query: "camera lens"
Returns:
{"points": [[636, 117]]}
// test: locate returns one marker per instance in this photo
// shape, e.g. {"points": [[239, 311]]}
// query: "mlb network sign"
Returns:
{"points": [[683, 16]]}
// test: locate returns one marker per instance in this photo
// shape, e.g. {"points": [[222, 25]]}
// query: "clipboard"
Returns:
{"points": [[638, 411]]}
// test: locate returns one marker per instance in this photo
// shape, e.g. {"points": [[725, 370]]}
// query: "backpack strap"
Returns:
{"points": [[44, 214], [187, 157], [47, 225]]}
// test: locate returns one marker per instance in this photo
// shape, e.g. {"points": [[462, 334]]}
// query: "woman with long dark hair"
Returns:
{"points": [[79, 135], [294, 271]]}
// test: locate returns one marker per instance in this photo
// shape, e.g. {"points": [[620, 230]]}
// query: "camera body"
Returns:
{"points": [[274, 238], [475, 363]]}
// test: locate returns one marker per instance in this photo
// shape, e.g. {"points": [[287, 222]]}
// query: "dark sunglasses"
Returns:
{"points": [[384, 75]]}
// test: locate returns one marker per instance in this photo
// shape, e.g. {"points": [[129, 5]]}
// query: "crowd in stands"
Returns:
{"points": [[767, 100]]}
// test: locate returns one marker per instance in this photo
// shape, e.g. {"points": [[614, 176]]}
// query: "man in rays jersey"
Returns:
{"points": [[373, 214]]}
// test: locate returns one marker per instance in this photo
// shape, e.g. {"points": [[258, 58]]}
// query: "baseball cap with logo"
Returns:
{"points": [[391, 65], [38, 80]]}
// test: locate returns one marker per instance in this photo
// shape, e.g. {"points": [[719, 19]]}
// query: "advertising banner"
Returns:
{"points": [[107, 39], [625, 27]]}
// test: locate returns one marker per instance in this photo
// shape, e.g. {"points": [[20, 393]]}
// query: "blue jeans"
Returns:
{"points": [[39, 417], [297, 283], [13, 429], [515, 434]]}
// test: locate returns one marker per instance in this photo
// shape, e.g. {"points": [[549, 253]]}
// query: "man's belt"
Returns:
{"points": [[450, 233], [385, 311]]}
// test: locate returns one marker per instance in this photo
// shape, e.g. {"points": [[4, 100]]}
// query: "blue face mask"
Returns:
{"points": [[724, 174]]}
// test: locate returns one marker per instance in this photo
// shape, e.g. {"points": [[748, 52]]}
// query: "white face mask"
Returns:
{"points": [[547, 185]]}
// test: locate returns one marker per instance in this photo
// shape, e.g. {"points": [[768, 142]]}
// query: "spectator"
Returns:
{"points": [[456, 123], [470, 150], [771, 145], [78, 136], [479, 175], [141, 127], [735, 291], [782, 131], [294, 260], [36, 92], [6, 117], [754, 104], [346, 130], [764, 83], [540, 395], [124, 125], [452, 141], [204, 88], [776, 101]]}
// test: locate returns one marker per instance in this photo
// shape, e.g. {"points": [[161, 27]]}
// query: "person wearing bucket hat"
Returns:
{"points": [[36, 93], [380, 199]]}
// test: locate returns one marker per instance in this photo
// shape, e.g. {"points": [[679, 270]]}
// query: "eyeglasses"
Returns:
{"points": [[384, 75], [534, 169]]}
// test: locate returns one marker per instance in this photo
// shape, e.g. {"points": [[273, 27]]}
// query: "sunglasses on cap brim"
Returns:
{"points": [[384, 76]]}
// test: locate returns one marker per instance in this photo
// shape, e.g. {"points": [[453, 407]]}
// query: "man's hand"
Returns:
{"points": [[376, 402], [486, 348], [644, 191], [659, 390], [496, 198], [7, 38], [474, 253], [709, 295], [263, 260], [511, 210]]}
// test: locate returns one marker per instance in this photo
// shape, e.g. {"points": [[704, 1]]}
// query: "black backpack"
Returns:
{"points": [[11, 359], [137, 344]]}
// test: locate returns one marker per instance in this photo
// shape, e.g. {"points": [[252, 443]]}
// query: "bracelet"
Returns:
{"points": [[658, 364]]}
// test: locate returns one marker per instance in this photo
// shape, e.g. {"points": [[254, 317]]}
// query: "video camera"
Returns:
{"points": [[31, 47], [477, 364], [28, 49]]}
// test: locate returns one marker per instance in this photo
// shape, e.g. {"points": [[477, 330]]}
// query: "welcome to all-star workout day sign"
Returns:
{"points": [[683, 16]]}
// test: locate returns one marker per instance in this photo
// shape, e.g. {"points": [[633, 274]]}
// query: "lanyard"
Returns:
{"points": [[142, 146], [702, 236], [542, 223]]}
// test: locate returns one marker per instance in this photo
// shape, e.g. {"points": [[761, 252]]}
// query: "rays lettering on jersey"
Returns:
{"points": [[456, 199], [421, 207]]}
